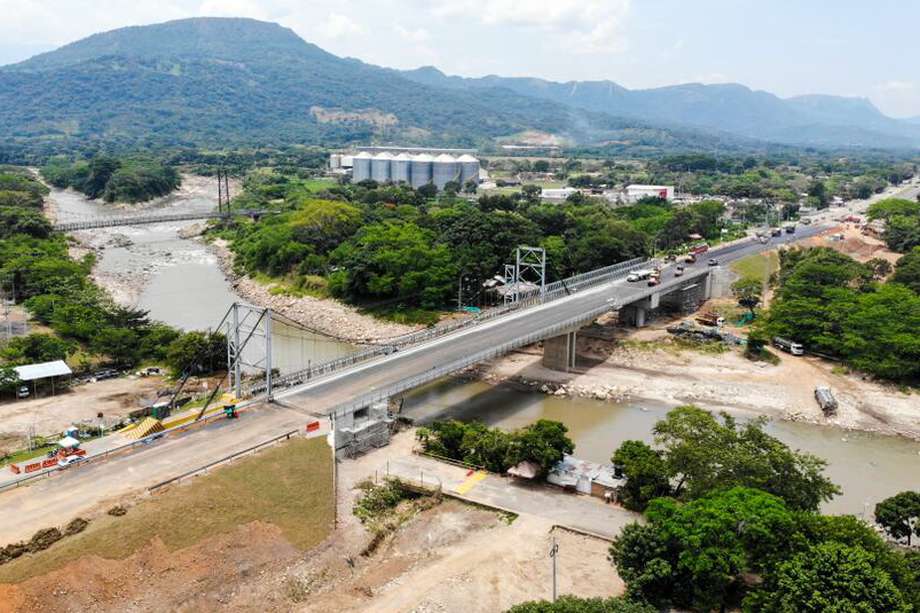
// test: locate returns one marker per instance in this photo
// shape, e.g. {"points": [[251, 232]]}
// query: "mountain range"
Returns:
{"points": [[232, 82]]}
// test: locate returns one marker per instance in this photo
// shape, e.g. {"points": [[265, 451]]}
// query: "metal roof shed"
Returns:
{"points": [[44, 370], [32, 372]]}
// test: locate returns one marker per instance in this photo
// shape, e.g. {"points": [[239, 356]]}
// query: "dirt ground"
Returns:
{"points": [[855, 244], [114, 398], [646, 364], [451, 557]]}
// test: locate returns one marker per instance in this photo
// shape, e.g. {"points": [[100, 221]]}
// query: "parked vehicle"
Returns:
{"points": [[790, 229], [776, 232], [709, 318], [788, 346], [764, 240], [101, 375], [825, 399], [22, 392], [69, 460], [806, 222]]}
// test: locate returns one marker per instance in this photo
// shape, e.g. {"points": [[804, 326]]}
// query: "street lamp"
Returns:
{"points": [[463, 277]]}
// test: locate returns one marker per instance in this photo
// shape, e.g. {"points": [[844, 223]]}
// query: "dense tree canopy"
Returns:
{"points": [[114, 179], [544, 443], [829, 302]]}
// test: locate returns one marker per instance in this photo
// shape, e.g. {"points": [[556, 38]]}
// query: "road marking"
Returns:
{"points": [[471, 482]]}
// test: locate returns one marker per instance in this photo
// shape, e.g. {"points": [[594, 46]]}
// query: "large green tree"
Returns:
{"points": [[899, 515], [695, 555], [704, 454], [831, 577], [646, 473]]}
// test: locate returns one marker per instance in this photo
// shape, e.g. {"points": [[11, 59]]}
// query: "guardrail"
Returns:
{"points": [[551, 292], [286, 436], [437, 372]]}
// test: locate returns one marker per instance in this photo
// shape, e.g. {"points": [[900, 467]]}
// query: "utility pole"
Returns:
{"points": [[553, 553]]}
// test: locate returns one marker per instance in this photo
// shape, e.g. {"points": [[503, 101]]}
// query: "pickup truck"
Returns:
{"points": [[788, 346], [639, 275]]}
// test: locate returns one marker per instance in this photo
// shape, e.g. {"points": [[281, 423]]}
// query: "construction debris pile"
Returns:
{"points": [[704, 334]]}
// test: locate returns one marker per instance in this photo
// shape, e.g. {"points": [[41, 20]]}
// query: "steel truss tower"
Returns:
{"points": [[245, 322], [529, 267]]}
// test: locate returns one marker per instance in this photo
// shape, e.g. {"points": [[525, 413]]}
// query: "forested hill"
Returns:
{"points": [[217, 81]]}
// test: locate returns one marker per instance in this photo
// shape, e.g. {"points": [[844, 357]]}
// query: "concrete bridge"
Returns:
{"points": [[349, 392], [148, 218]]}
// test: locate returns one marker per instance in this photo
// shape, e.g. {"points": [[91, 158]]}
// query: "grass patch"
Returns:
{"points": [[383, 507], [24, 454], [289, 486], [318, 185], [759, 266]]}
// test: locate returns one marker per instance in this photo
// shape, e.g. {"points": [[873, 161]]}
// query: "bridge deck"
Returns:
{"points": [[397, 372]]}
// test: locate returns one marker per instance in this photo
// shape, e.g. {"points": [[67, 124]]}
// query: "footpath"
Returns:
{"points": [[577, 512]]}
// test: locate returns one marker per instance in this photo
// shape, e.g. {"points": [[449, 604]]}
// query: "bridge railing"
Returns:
{"points": [[435, 373], [551, 292]]}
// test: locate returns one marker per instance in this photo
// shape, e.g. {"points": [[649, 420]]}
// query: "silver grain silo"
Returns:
{"points": [[444, 169], [361, 167], [420, 170], [380, 167], [399, 168], [469, 168]]}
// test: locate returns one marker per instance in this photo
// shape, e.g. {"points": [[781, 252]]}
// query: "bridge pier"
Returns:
{"points": [[559, 352]]}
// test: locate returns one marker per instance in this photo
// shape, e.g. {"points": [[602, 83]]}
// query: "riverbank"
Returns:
{"points": [[647, 365], [326, 316]]}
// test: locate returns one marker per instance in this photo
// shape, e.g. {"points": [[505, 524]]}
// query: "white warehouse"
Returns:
{"points": [[635, 193], [417, 167]]}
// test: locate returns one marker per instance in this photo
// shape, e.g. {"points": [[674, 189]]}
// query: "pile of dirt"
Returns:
{"points": [[206, 576]]}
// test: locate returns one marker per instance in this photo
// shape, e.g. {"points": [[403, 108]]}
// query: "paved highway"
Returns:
{"points": [[326, 395]]}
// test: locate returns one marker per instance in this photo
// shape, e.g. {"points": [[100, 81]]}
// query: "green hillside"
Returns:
{"points": [[225, 82]]}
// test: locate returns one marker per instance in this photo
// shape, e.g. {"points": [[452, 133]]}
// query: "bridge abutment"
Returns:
{"points": [[559, 352]]}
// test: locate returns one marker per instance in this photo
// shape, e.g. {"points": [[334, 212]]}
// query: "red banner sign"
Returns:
{"points": [[313, 426]]}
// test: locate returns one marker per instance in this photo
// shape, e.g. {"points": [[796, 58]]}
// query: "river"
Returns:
{"points": [[179, 281]]}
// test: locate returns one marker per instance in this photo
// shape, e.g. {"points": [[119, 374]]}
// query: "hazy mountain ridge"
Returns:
{"points": [[821, 120]]}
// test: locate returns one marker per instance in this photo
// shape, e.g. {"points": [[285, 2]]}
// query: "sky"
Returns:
{"points": [[862, 48]]}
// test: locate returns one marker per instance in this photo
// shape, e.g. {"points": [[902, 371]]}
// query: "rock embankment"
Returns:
{"points": [[328, 317]]}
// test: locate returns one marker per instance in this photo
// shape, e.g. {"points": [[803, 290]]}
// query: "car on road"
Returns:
{"points": [[713, 262], [69, 460], [679, 271], [22, 392]]}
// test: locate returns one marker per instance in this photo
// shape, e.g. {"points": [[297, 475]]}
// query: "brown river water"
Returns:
{"points": [[179, 282]]}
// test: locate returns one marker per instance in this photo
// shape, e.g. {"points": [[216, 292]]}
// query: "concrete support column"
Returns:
{"points": [[559, 352], [633, 315]]}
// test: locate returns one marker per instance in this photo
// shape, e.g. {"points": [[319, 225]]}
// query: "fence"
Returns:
{"points": [[286, 436], [551, 292]]}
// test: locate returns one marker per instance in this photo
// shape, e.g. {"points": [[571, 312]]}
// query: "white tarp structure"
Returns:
{"points": [[33, 372], [68, 442]]}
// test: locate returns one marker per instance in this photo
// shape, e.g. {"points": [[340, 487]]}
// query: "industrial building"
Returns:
{"points": [[634, 193], [414, 166]]}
